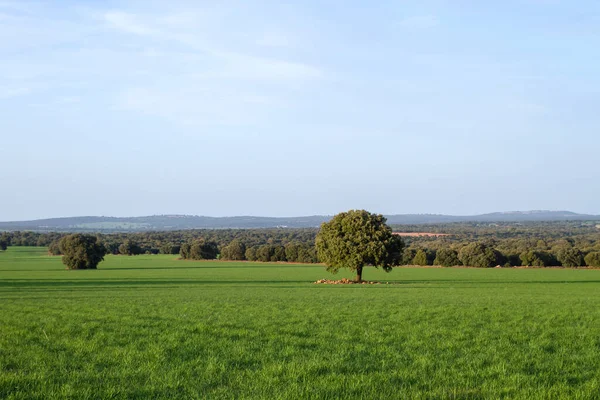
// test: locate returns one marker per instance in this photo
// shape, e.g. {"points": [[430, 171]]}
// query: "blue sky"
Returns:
{"points": [[128, 108]]}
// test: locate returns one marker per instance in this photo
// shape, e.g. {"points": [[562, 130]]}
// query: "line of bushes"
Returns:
{"points": [[480, 255]]}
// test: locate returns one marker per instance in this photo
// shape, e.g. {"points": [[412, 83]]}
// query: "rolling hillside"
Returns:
{"points": [[179, 222]]}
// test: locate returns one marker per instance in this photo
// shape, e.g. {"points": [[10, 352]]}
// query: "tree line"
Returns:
{"points": [[568, 244]]}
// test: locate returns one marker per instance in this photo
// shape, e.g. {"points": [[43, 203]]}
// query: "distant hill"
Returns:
{"points": [[180, 222]]}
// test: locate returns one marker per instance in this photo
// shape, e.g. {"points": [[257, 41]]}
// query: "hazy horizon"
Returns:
{"points": [[286, 216], [139, 108]]}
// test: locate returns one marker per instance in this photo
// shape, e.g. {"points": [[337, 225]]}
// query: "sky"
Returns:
{"points": [[221, 108]]}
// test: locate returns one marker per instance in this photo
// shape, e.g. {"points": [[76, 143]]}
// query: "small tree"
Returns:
{"points": [[184, 251], [236, 250], [81, 251], [169, 248], [570, 257], [408, 255], [420, 258], [593, 259], [251, 253], [265, 252], [129, 248], [446, 258], [479, 255], [199, 250], [355, 239], [536, 258], [54, 248], [5, 241]]}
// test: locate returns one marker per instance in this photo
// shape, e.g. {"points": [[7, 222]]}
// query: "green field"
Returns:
{"points": [[155, 327]]}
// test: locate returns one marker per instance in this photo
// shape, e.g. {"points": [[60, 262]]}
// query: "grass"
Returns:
{"points": [[155, 327]]}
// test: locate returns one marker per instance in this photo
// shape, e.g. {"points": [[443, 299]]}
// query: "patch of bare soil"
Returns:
{"points": [[345, 281]]}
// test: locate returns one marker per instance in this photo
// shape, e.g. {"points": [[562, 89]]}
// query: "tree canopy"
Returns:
{"points": [[479, 255], [236, 250], [446, 258], [200, 249], [81, 251], [355, 239]]}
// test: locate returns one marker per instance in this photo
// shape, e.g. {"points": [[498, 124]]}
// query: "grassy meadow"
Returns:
{"points": [[155, 327]]}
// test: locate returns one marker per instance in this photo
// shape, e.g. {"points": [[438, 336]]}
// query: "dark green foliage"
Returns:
{"points": [[130, 248], [5, 241], [292, 250], [251, 253], [111, 247], [513, 260], [300, 252], [355, 239], [278, 254], [307, 254], [54, 248], [510, 239], [479, 255], [536, 258], [266, 253], [270, 253], [570, 257], [169, 248], [236, 250], [420, 257], [81, 251], [184, 251], [200, 250], [446, 258], [593, 259], [408, 255]]}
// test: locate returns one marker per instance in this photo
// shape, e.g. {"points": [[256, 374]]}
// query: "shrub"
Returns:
{"points": [[420, 257], [81, 251], [592, 259], [570, 257], [446, 258], [535, 258], [479, 255]]}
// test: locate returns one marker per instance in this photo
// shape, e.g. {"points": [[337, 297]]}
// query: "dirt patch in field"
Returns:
{"points": [[420, 234], [345, 281]]}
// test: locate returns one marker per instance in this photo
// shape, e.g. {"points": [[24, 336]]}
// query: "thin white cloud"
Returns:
{"points": [[233, 63], [190, 67]]}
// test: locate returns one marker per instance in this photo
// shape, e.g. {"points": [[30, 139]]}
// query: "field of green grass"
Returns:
{"points": [[155, 327]]}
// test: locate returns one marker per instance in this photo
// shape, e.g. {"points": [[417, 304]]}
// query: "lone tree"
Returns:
{"points": [[81, 251], [355, 239]]}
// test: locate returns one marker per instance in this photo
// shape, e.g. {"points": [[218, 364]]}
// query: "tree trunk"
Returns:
{"points": [[359, 274]]}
